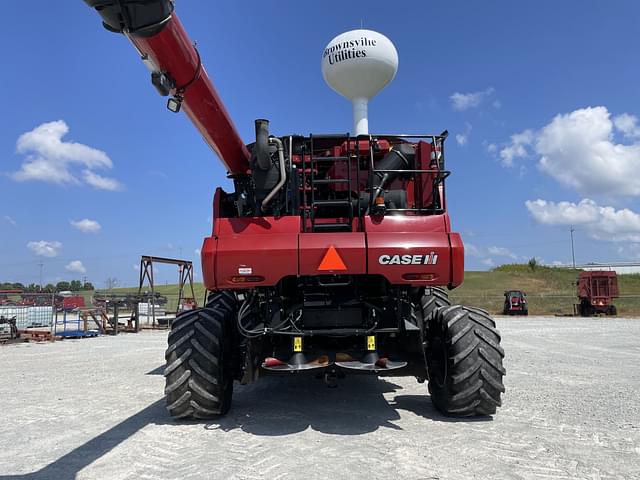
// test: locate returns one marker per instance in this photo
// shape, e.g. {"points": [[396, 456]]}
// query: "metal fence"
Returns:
{"points": [[29, 310]]}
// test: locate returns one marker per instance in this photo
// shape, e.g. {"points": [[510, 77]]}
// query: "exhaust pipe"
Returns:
{"points": [[260, 154]]}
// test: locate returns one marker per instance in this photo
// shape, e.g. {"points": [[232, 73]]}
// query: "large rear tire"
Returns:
{"points": [[433, 298], [464, 357], [199, 380]]}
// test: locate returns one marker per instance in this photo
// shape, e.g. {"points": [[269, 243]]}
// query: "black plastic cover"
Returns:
{"points": [[143, 18]]}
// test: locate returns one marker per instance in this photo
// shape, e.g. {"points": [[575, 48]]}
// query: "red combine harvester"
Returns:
{"points": [[327, 258], [596, 291]]}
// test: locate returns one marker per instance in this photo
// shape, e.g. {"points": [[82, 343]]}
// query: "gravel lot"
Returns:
{"points": [[93, 409]]}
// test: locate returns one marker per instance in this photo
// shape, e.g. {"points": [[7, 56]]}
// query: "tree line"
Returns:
{"points": [[73, 285]]}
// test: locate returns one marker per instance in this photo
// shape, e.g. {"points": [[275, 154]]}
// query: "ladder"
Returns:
{"points": [[341, 219]]}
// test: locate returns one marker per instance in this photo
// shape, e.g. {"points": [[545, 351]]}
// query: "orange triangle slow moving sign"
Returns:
{"points": [[332, 260]]}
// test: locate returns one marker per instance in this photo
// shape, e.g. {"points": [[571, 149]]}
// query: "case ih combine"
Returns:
{"points": [[329, 255]]}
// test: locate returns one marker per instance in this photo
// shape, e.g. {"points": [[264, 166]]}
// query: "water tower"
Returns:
{"points": [[357, 65]]}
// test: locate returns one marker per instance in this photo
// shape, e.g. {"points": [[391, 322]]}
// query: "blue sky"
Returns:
{"points": [[541, 100]]}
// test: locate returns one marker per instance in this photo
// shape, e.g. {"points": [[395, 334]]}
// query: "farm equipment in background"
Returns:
{"points": [[36, 300], [187, 303], [127, 301], [596, 291], [8, 328], [8, 298], [330, 255], [515, 303], [69, 303]]}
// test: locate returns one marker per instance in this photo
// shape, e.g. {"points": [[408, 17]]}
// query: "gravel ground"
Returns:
{"points": [[93, 409]]}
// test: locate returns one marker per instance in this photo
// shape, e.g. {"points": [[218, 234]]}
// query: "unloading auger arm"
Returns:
{"points": [[176, 71]]}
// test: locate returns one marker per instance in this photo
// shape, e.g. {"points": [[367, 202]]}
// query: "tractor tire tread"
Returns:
{"points": [[474, 381], [197, 382]]}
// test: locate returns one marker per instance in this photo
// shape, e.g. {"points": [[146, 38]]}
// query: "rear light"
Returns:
{"points": [[247, 279], [424, 277]]}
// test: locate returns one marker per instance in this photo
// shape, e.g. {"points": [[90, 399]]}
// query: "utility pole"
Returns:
{"points": [[573, 254], [41, 264]]}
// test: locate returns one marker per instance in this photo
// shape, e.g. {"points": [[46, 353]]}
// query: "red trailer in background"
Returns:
{"points": [[596, 291], [69, 303]]}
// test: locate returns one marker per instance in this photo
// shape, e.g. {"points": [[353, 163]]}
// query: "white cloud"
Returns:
{"points": [[465, 101], [471, 250], [517, 148], [136, 267], [579, 151], [628, 125], [488, 262], [462, 138], [100, 182], [484, 255], [501, 252], [10, 220], [49, 159], [76, 266], [86, 226], [44, 248], [602, 223], [197, 252]]}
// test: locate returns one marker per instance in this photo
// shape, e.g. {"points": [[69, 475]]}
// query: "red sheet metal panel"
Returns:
{"points": [[260, 247], [350, 247], [409, 250]]}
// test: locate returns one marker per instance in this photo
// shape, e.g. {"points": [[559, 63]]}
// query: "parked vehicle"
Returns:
{"points": [[596, 291], [331, 253], [515, 303]]}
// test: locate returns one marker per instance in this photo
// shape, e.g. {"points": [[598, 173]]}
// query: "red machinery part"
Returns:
{"points": [[172, 51], [405, 250], [157, 33]]}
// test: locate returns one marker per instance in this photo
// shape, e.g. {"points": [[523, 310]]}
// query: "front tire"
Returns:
{"points": [[199, 381], [465, 362]]}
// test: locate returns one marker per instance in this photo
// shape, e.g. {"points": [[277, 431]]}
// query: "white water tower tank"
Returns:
{"points": [[357, 65]]}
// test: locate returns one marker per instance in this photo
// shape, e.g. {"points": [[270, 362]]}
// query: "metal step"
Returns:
{"points": [[330, 159], [332, 226], [324, 181], [332, 203]]}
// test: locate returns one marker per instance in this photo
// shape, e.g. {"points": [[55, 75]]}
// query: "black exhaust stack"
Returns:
{"points": [[265, 175], [260, 156]]}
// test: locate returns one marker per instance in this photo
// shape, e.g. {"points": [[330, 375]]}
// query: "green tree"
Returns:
{"points": [[49, 288], [62, 286], [75, 286], [533, 264], [88, 286]]}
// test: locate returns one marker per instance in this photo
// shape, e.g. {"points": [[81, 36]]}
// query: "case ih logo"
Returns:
{"points": [[429, 259]]}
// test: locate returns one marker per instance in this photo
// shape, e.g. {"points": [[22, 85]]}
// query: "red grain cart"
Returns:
{"points": [[596, 291]]}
